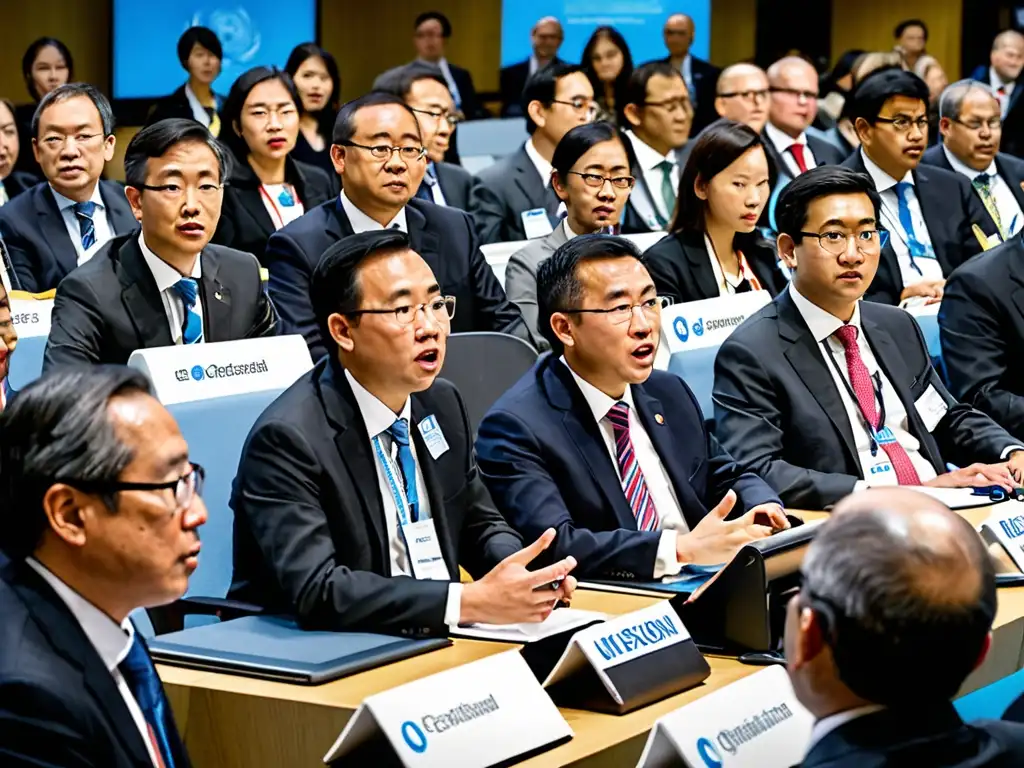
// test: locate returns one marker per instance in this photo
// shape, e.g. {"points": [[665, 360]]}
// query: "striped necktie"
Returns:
{"points": [[192, 328], [633, 483], [982, 183], [84, 213]]}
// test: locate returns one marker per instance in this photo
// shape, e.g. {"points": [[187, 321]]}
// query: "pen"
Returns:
{"points": [[552, 585]]}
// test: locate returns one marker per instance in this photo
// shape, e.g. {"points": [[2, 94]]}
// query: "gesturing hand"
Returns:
{"points": [[716, 540]]}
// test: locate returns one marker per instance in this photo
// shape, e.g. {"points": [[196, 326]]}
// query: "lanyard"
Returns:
{"points": [[915, 248], [876, 388], [280, 216], [397, 493]]}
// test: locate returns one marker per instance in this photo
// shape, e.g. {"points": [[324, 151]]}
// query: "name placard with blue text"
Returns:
{"points": [[708, 322]]}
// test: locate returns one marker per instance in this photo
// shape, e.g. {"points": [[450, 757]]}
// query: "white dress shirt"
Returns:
{"points": [[199, 113], [670, 517], [280, 213], [543, 167], [727, 284], [997, 82], [4, 198], [434, 185], [453, 87], [1009, 209], [886, 186], [111, 641], [362, 223], [686, 70], [166, 277], [649, 158], [782, 141], [104, 231], [828, 724], [378, 418]]}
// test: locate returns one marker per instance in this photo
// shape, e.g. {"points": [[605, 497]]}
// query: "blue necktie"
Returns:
{"points": [[915, 246], [429, 180], [192, 329], [399, 432], [86, 226], [140, 675]]}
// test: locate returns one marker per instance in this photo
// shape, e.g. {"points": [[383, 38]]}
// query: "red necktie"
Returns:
{"points": [[633, 483], [860, 380], [798, 155]]}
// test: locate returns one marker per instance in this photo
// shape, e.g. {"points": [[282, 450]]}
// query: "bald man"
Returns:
{"points": [[700, 76], [895, 610], [545, 39], [1006, 60]]}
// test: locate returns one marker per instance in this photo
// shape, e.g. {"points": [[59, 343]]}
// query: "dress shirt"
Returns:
{"points": [[362, 223], [4, 198], [686, 70], [166, 277], [534, 64], [823, 326], [727, 284], [670, 517], [279, 213], [543, 167], [1009, 209], [111, 641], [434, 185], [648, 159], [453, 87], [199, 112], [99, 220], [828, 724], [378, 418], [997, 82], [886, 186], [782, 141]]}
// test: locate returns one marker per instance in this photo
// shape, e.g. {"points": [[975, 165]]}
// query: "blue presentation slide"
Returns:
{"points": [[252, 33], [639, 21]]}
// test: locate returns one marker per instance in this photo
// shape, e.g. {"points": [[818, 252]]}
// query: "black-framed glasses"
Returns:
{"points": [[993, 124], [836, 242], [597, 181], [902, 123], [760, 95], [384, 152], [623, 313], [796, 93], [579, 105], [442, 309], [186, 488], [671, 105], [449, 117], [177, 191]]}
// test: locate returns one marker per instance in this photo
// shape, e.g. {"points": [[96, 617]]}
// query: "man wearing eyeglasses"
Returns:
{"points": [[56, 226], [928, 212], [99, 516], [822, 394], [165, 285], [611, 454]]}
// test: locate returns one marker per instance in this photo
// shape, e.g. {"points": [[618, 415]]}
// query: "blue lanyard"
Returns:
{"points": [[396, 493]]}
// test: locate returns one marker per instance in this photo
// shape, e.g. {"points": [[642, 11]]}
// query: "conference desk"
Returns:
{"points": [[230, 721]]}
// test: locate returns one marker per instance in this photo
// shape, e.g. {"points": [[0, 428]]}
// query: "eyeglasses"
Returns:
{"points": [[56, 143], [798, 95], [186, 488], [597, 181], [993, 124], [836, 243], [449, 117], [623, 313], [902, 123], [671, 105], [579, 105], [442, 309], [262, 114], [746, 95], [384, 152], [175, 192]]}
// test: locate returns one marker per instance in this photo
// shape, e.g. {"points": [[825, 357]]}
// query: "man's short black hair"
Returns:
{"points": [[400, 80], [873, 91], [904, 25], [70, 91], [636, 86], [541, 86], [345, 123], [558, 281], [205, 36], [157, 139], [446, 26], [823, 181]]}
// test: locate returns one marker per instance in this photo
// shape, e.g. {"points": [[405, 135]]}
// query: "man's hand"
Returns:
{"points": [[772, 515], [510, 594], [715, 540], [979, 476], [929, 289]]}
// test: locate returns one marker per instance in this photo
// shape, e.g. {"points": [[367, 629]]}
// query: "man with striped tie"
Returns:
{"points": [[596, 444]]}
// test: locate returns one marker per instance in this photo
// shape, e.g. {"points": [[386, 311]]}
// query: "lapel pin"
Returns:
{"points": [[659, 418], [218, 297]]}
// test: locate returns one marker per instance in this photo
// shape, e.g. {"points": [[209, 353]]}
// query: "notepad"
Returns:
{"points": [[561, 620]]}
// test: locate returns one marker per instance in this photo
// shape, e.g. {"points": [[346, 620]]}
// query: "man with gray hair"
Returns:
{"points": [[971, 131], [895, 610], [545, 40], [58, 225], [1005, 63]]}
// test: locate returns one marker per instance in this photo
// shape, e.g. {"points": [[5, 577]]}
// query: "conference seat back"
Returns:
{"points": [[27, 362], [497, 255], [496, 138]]}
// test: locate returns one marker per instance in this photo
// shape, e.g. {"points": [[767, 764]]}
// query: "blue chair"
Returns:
{"points": [[697, 368], [929, 325], [992, 701], [27, 362]]}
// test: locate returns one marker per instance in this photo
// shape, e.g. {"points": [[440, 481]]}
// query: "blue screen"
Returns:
{"points": [[251, 32], [639, 21]]}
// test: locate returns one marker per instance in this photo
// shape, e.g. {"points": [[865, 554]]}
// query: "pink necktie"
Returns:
{"points": [[798, 155], [633, 483]]}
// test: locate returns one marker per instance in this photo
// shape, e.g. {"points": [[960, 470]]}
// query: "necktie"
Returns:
{"points": [[633, 483], [668, 191], [982, 183], [399, 432], [860, 380], [84, 212], [904, 190], [192, 328], [798, 154], [429, 180], [140, 675]]}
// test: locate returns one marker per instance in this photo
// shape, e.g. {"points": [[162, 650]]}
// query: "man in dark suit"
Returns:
{"points": [[57, 226], [165, 285], [357, 496], [377, 195], [596, 444], [12, 183], [928, 212], [895, 611], [100, 511], [821, 393], [700, 76], [517, 188], [432, 30], [1006, 61], [545, 38]]}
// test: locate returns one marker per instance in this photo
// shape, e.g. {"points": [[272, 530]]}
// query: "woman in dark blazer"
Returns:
{"points": [[46, 65], [315, 74], [200, 54], [714, 247], [267, 188]]}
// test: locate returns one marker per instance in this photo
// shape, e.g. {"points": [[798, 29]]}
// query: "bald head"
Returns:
{"points": [[546, 38], [742, 95], [1007, 57], [678, 32], [794, 99]]}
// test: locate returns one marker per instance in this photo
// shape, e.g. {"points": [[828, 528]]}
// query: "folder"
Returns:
{"points": [[689, 580]]}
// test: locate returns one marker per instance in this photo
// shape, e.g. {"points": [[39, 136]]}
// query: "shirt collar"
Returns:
{"points": [[165, 275], [647, 156], [821, 323], [996, 81], [543, 167], [376, 416], [66, 202], [598, 401], [882, 180], [362, 223], [782, 140], [828, 724], [961, 167], [111, 640], [567, 230]]}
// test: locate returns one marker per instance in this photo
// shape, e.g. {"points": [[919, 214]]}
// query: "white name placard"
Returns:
{"points": [[707, 323], [755, 722], [31, 316], [1006, 526], [487, 712], [188, 372]]}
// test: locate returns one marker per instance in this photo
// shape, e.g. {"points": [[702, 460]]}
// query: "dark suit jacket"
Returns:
{"points": [[310, 533], [18, 182], [778, 410], [456, 184], [174, 105], [681, 266], [37, 239], [779, 174], [705, 79], [949, 206], [1012, 142], [544, 460], [244, 222], [512, 80], [59, 704], [1009, 168], [26, 159], [472, 108], [932, 736], [110, 306], [443, 236], [502, 192]]}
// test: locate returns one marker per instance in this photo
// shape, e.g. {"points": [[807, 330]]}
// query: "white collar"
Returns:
{"points": [[543, 167], [882, 180], [821, 323], [997, 82], [199, 113], [567, 230], [647, 156], [782, 140], [598, 401], [362, 223], [165, 275], [961, 167], [828, 724], [67, 202], [111, 641], [377, 417], [687, 66]]}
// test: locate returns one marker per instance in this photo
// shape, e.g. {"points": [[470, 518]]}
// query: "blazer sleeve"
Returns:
{"points": [[38, 730], [521, 288], [76, 326], [488, 212], [289, 286], [662, 260], [727, 474]]}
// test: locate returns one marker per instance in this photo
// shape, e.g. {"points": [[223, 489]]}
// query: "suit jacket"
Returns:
{"points": [[949, 206], [681, 266], [37, 239], [521, 279], [636, 216], [1009, 168], [310, 533], [59, 704], [705, 79], [1012, 142], [932, 736], [174, 105], [443, 236], [245, 224], [456, 184], [110, 306], [779, 176], [503, 191], [18, 182], [544, 460], [778, 410], [471, 106], [512, 80]]}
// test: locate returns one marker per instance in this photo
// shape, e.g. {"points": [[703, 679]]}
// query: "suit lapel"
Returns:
{"points": [[119, 213], [700, 262], [934, 214], [528, 180], [424, 241], [141, 298], [216, 299], [247, 193], [51, 223], [435, 492]]}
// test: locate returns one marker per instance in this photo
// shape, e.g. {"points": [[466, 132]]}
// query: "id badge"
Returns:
{"points": [[536, 223], [931, 408], [433, 437], [425, 551]]}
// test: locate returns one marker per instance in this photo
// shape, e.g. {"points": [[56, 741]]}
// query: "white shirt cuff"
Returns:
{"points": [[453, 608], [666, 563], [1007, 451]]}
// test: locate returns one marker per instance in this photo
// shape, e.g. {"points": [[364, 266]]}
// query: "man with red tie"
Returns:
{"points": [[823, 394]]}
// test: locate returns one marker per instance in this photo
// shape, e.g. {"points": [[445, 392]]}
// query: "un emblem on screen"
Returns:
{"points": [[414, 737], [708, 753], [681, 329], [236, 31], [197, 373]]}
